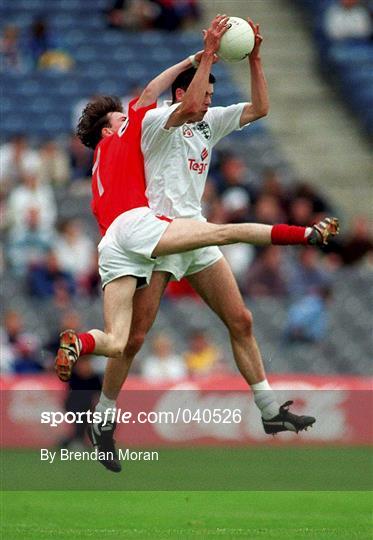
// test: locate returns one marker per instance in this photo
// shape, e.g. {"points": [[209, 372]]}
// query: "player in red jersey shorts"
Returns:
{"points": [[133, 235]]}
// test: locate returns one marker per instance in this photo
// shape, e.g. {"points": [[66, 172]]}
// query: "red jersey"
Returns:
{"points": [[118, 176]]}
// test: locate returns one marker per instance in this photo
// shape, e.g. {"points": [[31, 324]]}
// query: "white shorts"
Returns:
{"points": [[188, 263], [127, 247]]}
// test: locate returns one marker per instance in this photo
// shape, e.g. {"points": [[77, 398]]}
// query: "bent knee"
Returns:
{"points": [[117, 349], [241, 324], [135, 342]]}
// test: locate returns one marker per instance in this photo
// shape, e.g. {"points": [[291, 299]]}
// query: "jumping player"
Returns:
{"points": [[134, 234]]}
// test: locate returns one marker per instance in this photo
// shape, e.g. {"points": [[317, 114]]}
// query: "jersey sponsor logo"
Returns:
{"points": [[187, 132], [204, 129], [197, 166], [204, 154]]}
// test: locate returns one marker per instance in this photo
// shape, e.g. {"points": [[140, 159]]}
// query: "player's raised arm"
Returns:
{"points": [[193, 99], [157, 86], [259, 105]]}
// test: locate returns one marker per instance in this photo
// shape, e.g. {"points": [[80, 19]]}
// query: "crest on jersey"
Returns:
{"points": [[204, 154], [187, 132], [204, 129]]}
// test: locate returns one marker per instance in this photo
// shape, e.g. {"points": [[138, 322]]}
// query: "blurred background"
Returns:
{"points": [[310, 157]]}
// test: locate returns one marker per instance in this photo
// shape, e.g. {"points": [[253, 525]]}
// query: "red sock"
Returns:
{"points": [[88, 343], [283, 235]]}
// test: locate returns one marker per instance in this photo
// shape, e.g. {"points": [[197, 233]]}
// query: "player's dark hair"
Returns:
{"points": [[184, 79], [95, 117]]}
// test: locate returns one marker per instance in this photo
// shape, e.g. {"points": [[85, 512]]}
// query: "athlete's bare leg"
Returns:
{"points": [[145, 307], [218, 288], [118, 300], [187, 234]]}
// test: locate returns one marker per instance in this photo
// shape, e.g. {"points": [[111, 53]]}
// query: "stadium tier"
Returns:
{"points": [[346, 60]]}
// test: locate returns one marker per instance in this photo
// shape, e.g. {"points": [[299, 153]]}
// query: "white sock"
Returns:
{"points": [[104, 404], [265, 399]]}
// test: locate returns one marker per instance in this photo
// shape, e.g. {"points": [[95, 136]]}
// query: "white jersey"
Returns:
{"points": [[177, 160]]}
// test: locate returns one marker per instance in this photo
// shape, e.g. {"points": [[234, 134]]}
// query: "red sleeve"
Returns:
{"points": [[139, 113]]}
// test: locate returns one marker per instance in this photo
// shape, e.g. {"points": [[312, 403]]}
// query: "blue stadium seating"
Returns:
{"points": [[106, 61], [347, 63]]}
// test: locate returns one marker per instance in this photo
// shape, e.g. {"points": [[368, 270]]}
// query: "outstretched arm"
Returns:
{"points": [[161, 83], [196, 92], [259, 105]]}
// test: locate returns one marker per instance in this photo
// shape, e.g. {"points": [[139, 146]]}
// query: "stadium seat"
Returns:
{"points": [[84, 54]]}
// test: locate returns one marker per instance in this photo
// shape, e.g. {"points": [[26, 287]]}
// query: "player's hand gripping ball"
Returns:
{"points": [[237, 42]]}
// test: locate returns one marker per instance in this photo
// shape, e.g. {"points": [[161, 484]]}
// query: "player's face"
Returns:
{"points": [[207, 101], [116, 120]]}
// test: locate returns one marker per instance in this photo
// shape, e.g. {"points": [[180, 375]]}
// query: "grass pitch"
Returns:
{"points": [[252, 515], [118, 507]]}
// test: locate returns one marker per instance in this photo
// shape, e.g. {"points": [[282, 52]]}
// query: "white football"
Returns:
{"points": [[237, 42]]}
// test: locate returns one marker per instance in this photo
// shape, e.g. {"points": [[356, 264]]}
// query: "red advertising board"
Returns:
{"points": [[216, 410]]}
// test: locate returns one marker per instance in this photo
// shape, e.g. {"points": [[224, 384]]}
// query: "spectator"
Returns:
{"points": [[80, 159], [266, 276], [47, 279], [267, 209], [308, 273], [90, 284], [16, 158], [74, 249], [24, 346], [145, 14], [40, 40], [56, 60], [203, 357], [132, 14], [239, 257], [216, 212], [308, 317], [163, 364], [32, 195], [271, 185], [347, 19], [301, 212], [7, 356], [210, 199], [27, 246], [319, 204], [358, 244], [236, 203], [10, 50], [231, 173], [175, 14], [54, 166]]}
